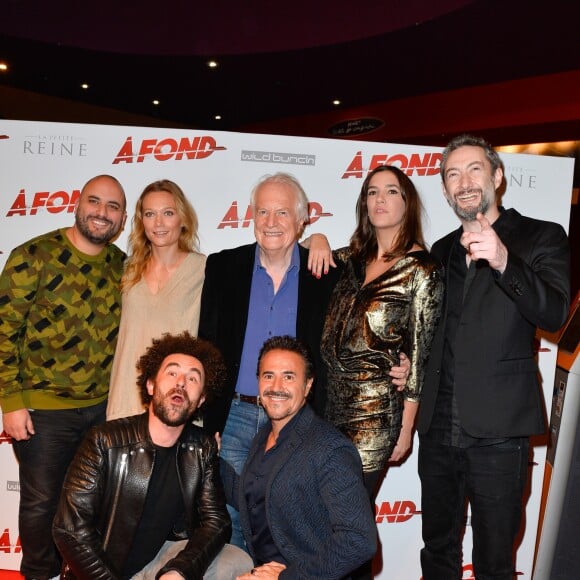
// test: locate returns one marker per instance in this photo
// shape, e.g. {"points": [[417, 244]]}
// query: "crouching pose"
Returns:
{"points": [[303, 506], [143, 496]]}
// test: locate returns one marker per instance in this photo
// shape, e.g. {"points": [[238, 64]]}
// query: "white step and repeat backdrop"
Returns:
{"points": [[44, 165]]}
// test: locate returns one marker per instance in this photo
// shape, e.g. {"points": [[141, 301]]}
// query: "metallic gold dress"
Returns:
{"points": [[365, 330]]}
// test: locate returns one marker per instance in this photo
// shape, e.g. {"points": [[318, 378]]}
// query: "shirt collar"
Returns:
{"points": [[289, 427], [294, 260]]}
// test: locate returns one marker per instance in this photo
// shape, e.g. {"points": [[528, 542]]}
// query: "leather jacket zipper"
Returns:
{"points": [[121, 477]]}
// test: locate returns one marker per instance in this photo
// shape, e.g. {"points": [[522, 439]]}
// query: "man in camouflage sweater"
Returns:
{"points": [[59, 316]]}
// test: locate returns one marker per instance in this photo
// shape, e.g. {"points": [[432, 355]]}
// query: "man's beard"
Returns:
{"points": [[469, 214], [162, 408], [82, 223]]}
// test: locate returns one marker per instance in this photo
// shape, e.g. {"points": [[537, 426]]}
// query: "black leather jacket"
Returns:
{"points": [[104, 493]]}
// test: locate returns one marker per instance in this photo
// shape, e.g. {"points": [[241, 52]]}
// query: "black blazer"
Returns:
{"points": [[224, 314], [318, 511], [496, 375]]}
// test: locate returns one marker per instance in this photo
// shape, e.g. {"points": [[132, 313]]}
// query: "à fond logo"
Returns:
{"points": [[232, 217], [467, 573], [418, 163], [8, 547], [5, 438], [52, 201], [166, 149], [395, 512]]}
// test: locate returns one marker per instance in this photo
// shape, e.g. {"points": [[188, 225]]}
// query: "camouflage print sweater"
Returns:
{"points": [[59, 320]]}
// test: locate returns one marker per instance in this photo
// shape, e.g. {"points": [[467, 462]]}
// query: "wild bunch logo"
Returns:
{"points": [[278, 157]]}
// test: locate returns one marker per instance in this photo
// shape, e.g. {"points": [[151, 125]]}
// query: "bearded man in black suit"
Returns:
{"points": [[506, 275]]}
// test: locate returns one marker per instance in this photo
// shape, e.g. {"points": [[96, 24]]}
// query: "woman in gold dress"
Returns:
{"points": [[387, 301]]}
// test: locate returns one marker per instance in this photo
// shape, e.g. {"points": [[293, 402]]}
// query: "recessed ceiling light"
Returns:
{"points": [[3, 66], [212, 64], [84, 86], [155, 102], [336, 102]]}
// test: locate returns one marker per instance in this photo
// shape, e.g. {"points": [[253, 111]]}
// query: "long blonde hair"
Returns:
{"points": [[139, 244]]}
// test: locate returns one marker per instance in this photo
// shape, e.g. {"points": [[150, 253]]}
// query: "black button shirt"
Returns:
{"points": [[258, 472], [446, 426]]}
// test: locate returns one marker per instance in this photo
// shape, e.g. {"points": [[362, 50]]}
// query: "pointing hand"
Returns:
{"points": [[485, 245]]}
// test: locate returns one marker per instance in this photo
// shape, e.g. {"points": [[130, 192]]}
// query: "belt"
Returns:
{"points": [[248, 399]]}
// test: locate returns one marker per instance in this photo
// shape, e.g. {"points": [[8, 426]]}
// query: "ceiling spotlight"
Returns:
{"points": [[3, 66], [155, 102], [84, 86], [336, 102], [212, 64]]}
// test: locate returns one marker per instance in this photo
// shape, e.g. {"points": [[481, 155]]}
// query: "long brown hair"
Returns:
{"points": [[363, 243]]}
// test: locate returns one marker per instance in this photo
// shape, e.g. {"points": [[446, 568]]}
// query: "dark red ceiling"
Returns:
{"points": [[214, 27], [282, 63]]}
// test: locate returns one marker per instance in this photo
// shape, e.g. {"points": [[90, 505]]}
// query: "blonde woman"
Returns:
{"points": [[161, 286]]}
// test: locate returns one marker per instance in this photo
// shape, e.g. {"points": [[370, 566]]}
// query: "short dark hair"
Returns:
{"points": [[111, 178], [291, 344], [205, 352], [471, 141]]}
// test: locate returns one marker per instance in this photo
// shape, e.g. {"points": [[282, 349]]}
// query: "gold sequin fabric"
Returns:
{"points": [[365, 330]]}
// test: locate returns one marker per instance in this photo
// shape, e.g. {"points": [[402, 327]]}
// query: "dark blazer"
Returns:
{"points": [[105, 490], [224, 314], [496, 375], [318, 510]]}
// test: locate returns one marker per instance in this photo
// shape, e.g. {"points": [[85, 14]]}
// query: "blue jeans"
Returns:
{"points": [[493, 478], [43, 461], [244, 421]]}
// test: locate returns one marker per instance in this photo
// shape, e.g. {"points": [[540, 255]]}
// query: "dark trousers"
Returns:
{"points": [[244, 421], [372, 479], [43, 461], [493, 479]]}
